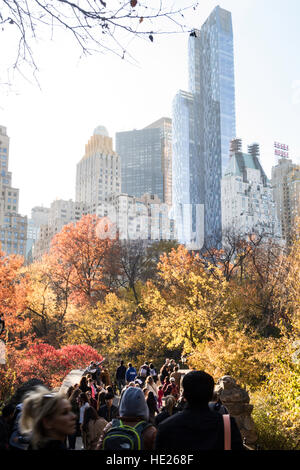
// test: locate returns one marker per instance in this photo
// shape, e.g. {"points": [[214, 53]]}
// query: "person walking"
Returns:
{"points": [[197, 427], [152, 405], [83, 384], [160, 395], [153, 372], [93, 426], [167, 387], [133, 413], [177, 376], [164, 372], [130, 373], [144, 372], [167, 411], [120, 377], [48, 419], [92, 401], [108, 411], [174, 389], [83, 405], [151, 386], [74, 402]]}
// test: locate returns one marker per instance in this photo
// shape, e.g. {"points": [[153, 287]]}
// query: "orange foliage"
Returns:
{"points": [[86, 261]]}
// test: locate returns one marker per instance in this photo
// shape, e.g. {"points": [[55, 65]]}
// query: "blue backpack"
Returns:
{"points": [[124, 437]]}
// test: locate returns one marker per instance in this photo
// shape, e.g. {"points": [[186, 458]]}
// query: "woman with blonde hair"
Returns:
{"points": [[167, 411], [151, 386], [47, 418]]}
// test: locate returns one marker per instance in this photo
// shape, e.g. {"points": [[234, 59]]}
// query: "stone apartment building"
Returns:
{"points": [[13, 226]]}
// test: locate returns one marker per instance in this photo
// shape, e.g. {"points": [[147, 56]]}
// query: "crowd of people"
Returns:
{"points": [[141, 408]]}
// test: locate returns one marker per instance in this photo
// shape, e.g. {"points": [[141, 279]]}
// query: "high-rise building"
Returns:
{"points": [[187, 180], [211, 82], [99, 171], [146, 157], [39, 216], [165, 126], [13, 226], [247, 196], [286, 189]]}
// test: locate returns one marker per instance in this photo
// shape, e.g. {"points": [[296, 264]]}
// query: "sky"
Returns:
{"points": [[49, 125]]}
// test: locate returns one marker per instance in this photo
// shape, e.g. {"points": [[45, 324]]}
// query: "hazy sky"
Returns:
{"points": [[49, 128]]}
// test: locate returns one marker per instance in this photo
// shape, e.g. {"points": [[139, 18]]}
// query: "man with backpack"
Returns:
{"points": [[132, 431]]}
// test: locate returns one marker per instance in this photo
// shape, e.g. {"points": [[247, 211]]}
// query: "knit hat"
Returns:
{"points": [[133, 404]]}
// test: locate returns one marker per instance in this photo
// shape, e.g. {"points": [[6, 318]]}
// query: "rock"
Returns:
{"points": [[237, 401]]}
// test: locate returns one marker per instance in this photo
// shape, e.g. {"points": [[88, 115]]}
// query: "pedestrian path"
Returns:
{"points": [[71, 379]]}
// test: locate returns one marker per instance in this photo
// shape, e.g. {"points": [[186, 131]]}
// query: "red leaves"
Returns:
{"points": [[51, 365]]}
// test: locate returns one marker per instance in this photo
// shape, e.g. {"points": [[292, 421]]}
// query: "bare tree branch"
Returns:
{"points": [[96, 26]]}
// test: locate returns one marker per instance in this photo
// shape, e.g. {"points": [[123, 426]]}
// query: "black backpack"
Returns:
{"points": [[124, 437]]}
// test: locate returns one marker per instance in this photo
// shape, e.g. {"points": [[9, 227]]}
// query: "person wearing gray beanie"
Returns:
{"points": [[133, 404], [132, 410]]}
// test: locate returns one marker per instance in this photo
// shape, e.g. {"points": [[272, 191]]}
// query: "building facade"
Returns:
{"points": [[146, 160], [13, 226], [286, 190], [99, 171], [165, 126], [39, 216], [247, 196], [211, 84], [132, 218], [61, 213], [187, 180]]}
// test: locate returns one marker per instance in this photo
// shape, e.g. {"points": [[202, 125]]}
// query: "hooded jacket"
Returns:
{"points": [[131, 374]]}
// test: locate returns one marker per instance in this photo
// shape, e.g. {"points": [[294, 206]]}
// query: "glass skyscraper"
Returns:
{"points": [[211, 83], [146, 160], [187, 173]]}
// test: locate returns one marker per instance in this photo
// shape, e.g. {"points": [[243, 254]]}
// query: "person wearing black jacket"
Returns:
{"points": [[108, 411], [120, 376], [197, 427]]}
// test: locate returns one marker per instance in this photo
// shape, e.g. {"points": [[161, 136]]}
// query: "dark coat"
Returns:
{"points": [[121, 372], [107, 414], [196, 429], [50, 445]]}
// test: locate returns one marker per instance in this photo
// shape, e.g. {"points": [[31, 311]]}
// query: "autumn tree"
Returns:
{"points": [[254, 297], [51, 365], [18, 332], [187, 304], [48, 298], [84, 262], [138, 260], [13, 294]]}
